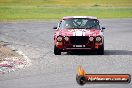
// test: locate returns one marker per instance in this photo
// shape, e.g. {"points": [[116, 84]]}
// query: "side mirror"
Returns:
{"points": [[54, 27], [103, 28]]}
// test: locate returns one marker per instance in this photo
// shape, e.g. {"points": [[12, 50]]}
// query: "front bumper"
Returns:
{"points": [[69, 47]]}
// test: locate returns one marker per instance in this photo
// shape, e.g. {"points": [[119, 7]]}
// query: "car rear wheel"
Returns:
{"points": [[57, 51], [100, 51]]}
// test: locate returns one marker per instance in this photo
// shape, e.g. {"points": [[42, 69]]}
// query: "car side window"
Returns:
{"points": [[60, 24]]}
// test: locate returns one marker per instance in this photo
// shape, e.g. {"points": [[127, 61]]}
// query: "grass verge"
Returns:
{"points": [[55, 9]]}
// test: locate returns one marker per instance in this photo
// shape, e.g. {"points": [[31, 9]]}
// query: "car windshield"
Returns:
{"points": [[79, 23]]}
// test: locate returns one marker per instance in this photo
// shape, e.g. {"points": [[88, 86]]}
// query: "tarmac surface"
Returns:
{"points": [[35, 40]]}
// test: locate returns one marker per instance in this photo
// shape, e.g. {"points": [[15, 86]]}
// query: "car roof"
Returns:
{"points": [[89, 17]]}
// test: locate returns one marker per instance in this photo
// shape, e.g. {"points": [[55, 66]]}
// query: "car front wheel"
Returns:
{"points": [[57, 51], [100, 51]]}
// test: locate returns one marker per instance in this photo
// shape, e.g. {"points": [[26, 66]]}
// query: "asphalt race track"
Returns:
{"points": [[35, 39]]}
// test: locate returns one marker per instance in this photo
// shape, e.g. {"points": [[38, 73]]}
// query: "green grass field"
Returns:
{"points": [[55, 9]]}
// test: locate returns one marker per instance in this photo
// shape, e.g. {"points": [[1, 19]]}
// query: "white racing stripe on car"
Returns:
{"points": [[83, 33], [79, 32], [74, 34]]}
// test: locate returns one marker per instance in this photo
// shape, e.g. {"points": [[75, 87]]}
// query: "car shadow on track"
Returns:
{"points": [[80, 53], [107, 52], [118, 52]]}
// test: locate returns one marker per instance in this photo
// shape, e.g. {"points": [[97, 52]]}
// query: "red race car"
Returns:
{"points": [[78, 33]]}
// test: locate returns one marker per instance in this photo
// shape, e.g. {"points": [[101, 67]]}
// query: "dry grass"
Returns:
{"points": [[6, 52]]}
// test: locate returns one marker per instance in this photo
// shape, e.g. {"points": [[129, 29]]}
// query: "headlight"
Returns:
{"points": [[66, 38], [91, 39], [98, 39], [59, 38]]}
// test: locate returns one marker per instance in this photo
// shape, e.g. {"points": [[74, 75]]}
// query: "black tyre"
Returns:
{"points": [[81, 80], [57, 51], [100, 51]]}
